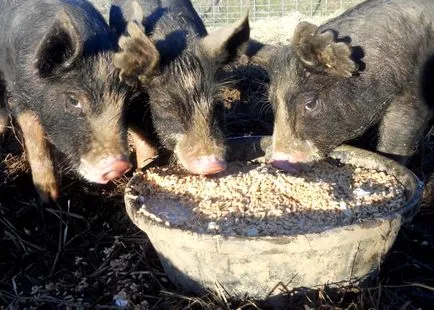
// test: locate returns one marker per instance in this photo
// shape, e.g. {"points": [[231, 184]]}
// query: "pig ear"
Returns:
{"points": [[228, 43], [60, 47], [261, 54], [138, 59], [118, 17], [321, 52], [138, 14]]}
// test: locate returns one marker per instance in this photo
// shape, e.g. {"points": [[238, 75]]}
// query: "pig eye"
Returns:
{"points": [[311, 105], [73, 104]]}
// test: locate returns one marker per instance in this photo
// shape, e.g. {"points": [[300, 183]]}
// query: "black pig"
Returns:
{"points": [[56, 66], [175, 62], [357, 77]]}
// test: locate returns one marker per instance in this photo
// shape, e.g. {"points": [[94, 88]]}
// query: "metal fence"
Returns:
{"points": [[221, 12]]}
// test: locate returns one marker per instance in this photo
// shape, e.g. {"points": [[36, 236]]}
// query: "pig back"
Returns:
{"points": [[384, 28]]}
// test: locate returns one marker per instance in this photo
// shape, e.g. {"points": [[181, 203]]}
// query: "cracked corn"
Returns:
{"points": [[252, 199]]}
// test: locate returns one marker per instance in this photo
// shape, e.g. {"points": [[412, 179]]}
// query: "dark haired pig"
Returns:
{"points": [[56, 66], [177, 61], [360, 75]]}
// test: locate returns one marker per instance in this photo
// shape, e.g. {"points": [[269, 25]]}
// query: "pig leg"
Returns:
{"points": [[141, 128], [402, 127], [3, 108], [38, 152], [145, 148]]}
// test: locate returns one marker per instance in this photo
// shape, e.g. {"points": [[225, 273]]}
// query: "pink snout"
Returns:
{"points": [[112, 168], [205, 165], [284, 162]]}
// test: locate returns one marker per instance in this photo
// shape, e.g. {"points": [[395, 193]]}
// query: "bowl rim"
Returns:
{"points": [[405, 213]]}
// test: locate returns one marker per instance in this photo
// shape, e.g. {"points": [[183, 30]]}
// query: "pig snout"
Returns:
{"points": [[114, 168], [205, 165], [105, 169], [291, 155], [287, 162], [200, 155]]}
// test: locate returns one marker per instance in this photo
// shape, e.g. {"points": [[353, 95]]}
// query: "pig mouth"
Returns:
{"points": [[104, 170], [291, 162], [285, 166], [293, 154]]}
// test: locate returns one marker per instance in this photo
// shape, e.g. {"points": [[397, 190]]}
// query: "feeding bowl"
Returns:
{"points": [[266, 267]]}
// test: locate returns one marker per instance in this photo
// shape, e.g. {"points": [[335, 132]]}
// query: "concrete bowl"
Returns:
{"points": [[265, 267]]}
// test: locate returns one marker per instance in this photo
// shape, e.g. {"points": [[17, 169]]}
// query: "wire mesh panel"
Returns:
{"points": [[221, 12]]}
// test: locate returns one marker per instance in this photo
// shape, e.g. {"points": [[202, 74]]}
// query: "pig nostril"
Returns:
{"points": [[116, 169]]}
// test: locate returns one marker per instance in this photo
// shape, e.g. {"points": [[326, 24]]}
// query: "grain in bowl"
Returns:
{"points": [[255, 199]]}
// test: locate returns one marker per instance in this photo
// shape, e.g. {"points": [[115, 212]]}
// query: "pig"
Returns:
{"points": [[356, 79], [166, 52], [58, 77]]}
